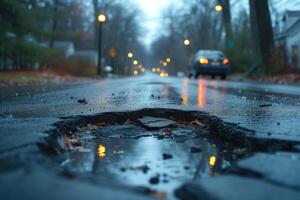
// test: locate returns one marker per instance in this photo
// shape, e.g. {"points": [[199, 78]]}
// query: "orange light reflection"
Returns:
{"points": [[201, 93], [185, 92]]}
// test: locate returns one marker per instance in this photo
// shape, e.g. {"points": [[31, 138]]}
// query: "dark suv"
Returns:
{"points": [[208, 62]]}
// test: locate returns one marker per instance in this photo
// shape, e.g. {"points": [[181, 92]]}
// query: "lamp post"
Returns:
{"points": [[219, 8], [135, 62], [130, 55], [187, 43], [101, 20]]}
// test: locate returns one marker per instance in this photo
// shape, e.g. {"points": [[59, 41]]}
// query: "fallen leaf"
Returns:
{"points": [[128, 122], [197, 123], [92, 127], [159, 195]]}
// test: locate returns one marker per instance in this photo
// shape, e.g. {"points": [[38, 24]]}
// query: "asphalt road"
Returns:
{"points": [[271, 111]]}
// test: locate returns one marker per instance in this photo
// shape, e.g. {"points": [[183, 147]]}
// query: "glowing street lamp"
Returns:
{"points": [[219, 8], [135, 62], [168, 60], [186, 42], [101, 20], [130, 55]]}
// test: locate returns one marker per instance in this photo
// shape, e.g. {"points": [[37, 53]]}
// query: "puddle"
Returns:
{"points": [[155, 149], [136, 162]]}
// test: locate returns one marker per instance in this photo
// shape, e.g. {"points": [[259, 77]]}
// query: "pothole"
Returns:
{"points": [[153, 151]]}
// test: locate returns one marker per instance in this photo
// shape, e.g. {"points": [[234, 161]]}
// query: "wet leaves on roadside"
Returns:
{"points": [[159, 195], [71, 142], [198, 124], [92, 127], [128, 122]]}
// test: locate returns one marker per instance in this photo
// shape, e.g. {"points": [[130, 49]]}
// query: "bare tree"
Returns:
{"points": [[227, 21], [96, 12], [262, 30]]}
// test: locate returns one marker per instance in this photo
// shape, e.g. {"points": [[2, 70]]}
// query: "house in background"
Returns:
{"points": [[288, 37], [67, 47], [90, 57]]}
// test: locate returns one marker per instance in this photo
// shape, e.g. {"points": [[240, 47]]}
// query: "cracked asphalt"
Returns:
{"points": [[270, 111]]}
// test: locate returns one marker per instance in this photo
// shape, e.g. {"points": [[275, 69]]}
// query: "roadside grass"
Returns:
{"points": [[30, 77]]}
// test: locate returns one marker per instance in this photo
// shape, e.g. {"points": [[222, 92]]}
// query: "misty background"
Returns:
{"points": [[61, 35]]}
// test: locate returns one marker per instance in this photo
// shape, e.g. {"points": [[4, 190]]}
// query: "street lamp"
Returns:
{"points": [[135, 62], [168, 60], [219, 8], [101, 20], [186, 42], [130, 55]]}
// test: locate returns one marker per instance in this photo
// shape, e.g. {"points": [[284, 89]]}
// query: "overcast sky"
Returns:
{"points": [[152, 10]]}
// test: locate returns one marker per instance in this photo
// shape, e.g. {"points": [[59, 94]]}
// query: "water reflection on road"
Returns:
{"points": [[134, 162], [126, 159], [187, 92]]}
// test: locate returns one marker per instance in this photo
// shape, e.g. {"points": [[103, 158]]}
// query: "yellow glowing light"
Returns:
{"points": [[135, 62], [143, 69], [219, 8], [101, 18], [166, 75], [165, 64], [101, 151], [153, 69], [212, 161], [203, 61], [157, 70], [168, 60], [162, 74], [130, 55], [186, 42], [135, 72]]}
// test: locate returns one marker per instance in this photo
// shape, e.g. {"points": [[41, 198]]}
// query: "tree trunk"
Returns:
{"points": [[254, 32], [54, 22], [262, 29], [96, 10], [227, 22]]}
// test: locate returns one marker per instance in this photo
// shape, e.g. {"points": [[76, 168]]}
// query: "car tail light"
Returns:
{"points": [[203, 61], [225, 61]]}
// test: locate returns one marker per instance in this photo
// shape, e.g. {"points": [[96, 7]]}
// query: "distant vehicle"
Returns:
{"points": [[209, 62]]}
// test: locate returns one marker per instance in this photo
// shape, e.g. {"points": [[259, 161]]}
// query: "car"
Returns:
{"points": [[210, 62]]}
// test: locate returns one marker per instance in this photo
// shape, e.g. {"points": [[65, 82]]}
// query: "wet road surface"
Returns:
{"points": [[271, 111]]}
